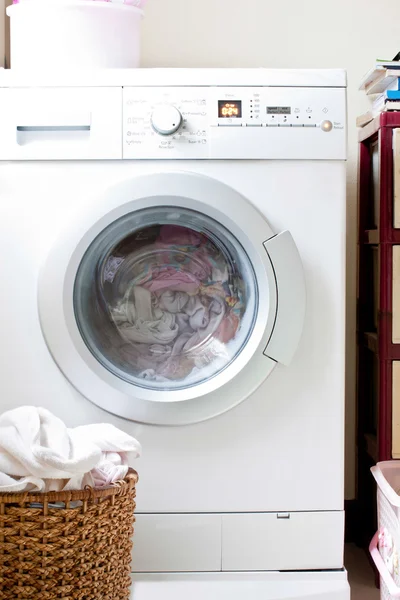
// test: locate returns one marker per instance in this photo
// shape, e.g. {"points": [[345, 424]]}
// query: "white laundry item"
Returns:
{"points": [[172, 301], [182, 321], [157, 350], [139, 321], [24, 484], [152, 375], [108, 438], [161, 331], [202, 335], [220, 274], [198, 313], [35, 442], [118, 450], [39, 453], [136, 304]]}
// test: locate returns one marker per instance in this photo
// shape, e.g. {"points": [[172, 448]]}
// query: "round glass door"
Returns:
{"points": [[165, 298]]}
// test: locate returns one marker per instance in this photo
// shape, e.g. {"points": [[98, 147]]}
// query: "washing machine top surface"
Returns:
{"points": [[329, 78]]}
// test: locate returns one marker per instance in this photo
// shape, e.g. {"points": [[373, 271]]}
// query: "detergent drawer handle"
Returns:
{"points": [[46, 128]]}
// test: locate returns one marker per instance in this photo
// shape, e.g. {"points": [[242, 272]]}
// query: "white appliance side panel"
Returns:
{"points": [[177, 543], [282, 541], [281, 449], [329, 585]]}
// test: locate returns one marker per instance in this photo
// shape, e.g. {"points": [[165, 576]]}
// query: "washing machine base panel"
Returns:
{"points": [[313, 585]]}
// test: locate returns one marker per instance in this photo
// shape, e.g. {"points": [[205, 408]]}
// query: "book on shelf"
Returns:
{"points": [[387, 96], [382, 86], [367, 117], [389, 79], [378, 73], [364, 119], [390, 95]]}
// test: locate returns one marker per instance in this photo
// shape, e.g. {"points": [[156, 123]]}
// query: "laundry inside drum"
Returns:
{"points": [[165, 305]]}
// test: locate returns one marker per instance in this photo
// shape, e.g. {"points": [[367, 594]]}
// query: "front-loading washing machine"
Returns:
{"points": [[173, 247]]}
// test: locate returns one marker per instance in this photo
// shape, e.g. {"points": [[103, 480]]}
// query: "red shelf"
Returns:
{"points": [[378, 354]]}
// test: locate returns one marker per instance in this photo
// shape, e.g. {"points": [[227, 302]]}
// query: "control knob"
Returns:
{"points": [[166, 119]]}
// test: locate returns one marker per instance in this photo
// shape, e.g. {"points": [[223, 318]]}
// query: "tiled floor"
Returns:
{"points": [[360, 575]]}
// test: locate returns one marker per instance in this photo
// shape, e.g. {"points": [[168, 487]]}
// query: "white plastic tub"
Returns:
{"points": [[79, 34], [387, 476]]}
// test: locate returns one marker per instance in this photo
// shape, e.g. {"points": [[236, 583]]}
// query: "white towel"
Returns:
{"points": [[39, 453], [118, 450]]}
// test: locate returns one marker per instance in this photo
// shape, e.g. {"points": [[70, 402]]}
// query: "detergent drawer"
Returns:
{"points": [[61, 123], [282, 541]]}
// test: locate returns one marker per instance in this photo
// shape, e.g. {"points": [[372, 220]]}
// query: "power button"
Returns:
{"points": [[326, 125]]}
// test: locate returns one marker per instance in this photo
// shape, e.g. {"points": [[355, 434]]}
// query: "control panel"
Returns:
{"points": [[173, 122], [234, 122]]}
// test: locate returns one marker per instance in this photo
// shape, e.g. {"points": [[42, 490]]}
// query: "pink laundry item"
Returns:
{"points": [[385, 540], [186, 248], [175, 235], [170, 279], [138, 3], [194, 260], [227, 329], [112, 467]]}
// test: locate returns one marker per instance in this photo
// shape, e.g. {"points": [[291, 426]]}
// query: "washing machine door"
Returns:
{"points": [[171, 300]]}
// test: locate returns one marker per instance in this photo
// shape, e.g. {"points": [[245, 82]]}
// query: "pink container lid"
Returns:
{"points": [[137, 3]]}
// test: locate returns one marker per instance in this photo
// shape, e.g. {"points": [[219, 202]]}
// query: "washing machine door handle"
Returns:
{"points": [[291, 297]]}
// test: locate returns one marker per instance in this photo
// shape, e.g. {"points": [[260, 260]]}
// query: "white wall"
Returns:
{"points": [[290, 33]]}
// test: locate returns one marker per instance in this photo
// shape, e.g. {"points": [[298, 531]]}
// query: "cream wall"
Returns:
{"points": [[291, 33], [294, 33]]}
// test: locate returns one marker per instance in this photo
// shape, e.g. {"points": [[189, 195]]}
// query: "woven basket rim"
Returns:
{"points": [[88, 493]]}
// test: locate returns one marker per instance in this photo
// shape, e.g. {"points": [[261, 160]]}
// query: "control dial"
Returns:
{"points": [[166, 119]]}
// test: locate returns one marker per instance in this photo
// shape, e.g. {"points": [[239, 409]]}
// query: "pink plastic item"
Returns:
{"points": [[138, 3], [393, 589]]}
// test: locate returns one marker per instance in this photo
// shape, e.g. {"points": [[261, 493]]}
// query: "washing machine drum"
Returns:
{"points": [[172, 300]]}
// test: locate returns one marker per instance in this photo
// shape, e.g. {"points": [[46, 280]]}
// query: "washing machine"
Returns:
{"points": [[173, 262]]}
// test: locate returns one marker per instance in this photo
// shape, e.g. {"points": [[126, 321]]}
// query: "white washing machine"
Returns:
{"points": [[173, 262]]}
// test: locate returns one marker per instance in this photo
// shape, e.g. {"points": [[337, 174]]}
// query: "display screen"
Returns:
{"points": [[278, 110], [230, 110]]}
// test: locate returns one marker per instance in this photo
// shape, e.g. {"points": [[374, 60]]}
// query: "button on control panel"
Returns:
{"points": [[229, 122]]}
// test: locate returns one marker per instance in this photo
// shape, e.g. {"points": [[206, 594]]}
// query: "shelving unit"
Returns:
{"points": [[378, 318]]}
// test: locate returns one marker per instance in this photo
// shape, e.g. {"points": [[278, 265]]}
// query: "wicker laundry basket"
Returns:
{"points": [[67, 545]]}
